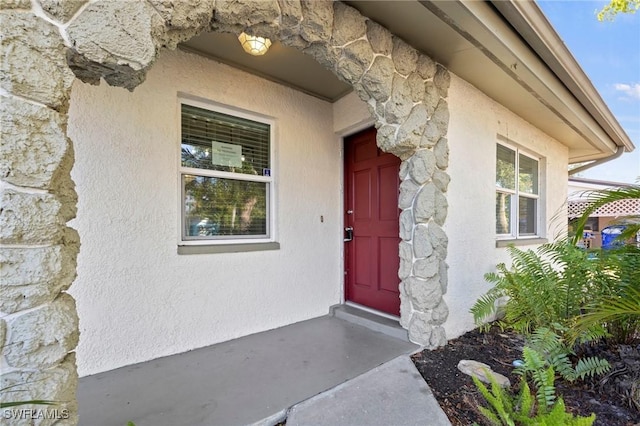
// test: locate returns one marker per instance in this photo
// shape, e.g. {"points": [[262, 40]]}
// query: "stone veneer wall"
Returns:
{"points": [[45, 42]]}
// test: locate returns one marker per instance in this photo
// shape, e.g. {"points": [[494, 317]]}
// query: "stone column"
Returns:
{"points": [[38, 320], [423, 250]]}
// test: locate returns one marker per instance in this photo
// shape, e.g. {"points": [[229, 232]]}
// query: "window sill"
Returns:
{"points": [[520, 242], [227, 248]]}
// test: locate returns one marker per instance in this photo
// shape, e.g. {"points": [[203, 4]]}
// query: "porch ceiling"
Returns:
{"points": [[513, 61], [282, 64]]}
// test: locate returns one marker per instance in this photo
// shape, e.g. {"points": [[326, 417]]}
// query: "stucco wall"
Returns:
{"points": [[137, 298], [143, 300], [475, 124]]}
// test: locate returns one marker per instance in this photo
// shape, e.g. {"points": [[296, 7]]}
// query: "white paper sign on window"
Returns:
{"points": [[226, 154]]}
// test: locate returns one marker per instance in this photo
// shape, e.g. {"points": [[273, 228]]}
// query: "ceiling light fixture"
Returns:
{"points": [[254, 45]]}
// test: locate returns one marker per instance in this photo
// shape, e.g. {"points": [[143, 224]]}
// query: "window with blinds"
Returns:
{"points": [[517, 193], [225, 175]]}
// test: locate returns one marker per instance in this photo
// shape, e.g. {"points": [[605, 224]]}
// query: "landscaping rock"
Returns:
{"points": [[482, 372]]}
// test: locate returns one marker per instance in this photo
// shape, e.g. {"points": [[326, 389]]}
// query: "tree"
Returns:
{"points": [[609, 12]]}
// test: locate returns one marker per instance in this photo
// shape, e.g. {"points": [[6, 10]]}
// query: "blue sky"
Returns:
{"points": [[609, 53]]}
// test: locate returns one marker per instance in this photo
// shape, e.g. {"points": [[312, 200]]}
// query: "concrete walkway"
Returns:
{"points": [[258, 378], [391, 394]]}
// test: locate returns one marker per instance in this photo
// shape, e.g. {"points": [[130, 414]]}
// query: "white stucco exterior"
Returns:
{"points": [[146, 301], [474, 128], [138, 299]]}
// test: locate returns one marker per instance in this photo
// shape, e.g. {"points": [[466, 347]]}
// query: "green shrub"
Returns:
{"points": [[523, 409], [547, 349], [547, 292], [549, 286], [557, 284]]}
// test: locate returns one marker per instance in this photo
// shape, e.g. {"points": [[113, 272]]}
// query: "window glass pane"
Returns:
{"points": [[503, 213], [506, 168], [216, 141], [527, 215], [528, 175], [223, 207]]}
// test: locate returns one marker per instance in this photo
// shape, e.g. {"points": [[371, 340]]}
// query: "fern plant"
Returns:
{"points": [[550, 285], [543, 377], [545, 348], [557, 284], [505, 409], [501, 409]]}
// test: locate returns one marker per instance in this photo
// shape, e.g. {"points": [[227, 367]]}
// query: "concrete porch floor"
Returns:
{"points": [[251, 380]]}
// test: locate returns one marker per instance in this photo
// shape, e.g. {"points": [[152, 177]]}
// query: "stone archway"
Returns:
{"points": [[46, 42]]}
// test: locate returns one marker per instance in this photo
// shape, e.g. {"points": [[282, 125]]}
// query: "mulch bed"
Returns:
{"points": [[606, 396]]}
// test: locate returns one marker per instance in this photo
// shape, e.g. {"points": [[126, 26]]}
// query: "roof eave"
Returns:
{"points": [[530, 22], [509, 51]]}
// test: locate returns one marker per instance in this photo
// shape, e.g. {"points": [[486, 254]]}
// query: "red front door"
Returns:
{"points": [[371, 211]]}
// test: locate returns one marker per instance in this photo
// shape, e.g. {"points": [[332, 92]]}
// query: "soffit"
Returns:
{"points": [[282, 64]]}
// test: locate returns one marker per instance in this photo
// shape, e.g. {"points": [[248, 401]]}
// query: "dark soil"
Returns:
{"points": [[608, 396]]}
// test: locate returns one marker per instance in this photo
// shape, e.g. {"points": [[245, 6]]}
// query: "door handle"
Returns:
{"points": [[348, 231]]}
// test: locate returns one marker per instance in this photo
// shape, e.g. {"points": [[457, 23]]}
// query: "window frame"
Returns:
{"points": [[251, 242], [516, 193]]}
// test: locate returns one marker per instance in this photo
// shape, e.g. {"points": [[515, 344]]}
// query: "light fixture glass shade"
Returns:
{"points": [[254, 45]]}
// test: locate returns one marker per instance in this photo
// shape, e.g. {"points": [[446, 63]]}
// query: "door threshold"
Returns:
{"points": [[385, 324], [372, 311]]}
